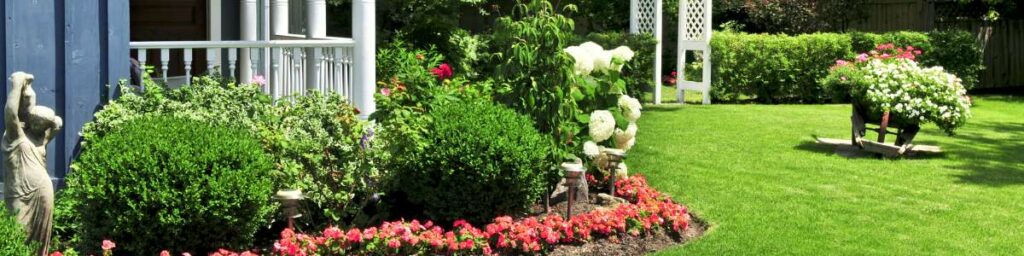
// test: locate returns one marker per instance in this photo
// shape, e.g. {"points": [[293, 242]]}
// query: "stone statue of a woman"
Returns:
{"points": [[28, 190]]}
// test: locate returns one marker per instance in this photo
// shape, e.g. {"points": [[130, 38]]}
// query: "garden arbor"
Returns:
{"points": [[694, 35]]}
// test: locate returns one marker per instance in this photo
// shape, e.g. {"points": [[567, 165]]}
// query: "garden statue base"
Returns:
{"points": [[561, 193]]}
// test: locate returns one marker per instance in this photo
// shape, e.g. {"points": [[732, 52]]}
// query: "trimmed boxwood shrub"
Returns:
{"points": [[778, 68], [13, 236], [482, 160], [161, 182], [774, 68]]}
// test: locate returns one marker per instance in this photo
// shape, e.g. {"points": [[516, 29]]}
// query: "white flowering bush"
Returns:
{"points": [[910, 93], [608, 114]]}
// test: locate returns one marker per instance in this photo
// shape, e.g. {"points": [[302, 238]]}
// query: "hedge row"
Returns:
{"points": [[786, 69]]}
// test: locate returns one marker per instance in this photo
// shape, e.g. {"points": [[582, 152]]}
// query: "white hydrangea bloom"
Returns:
{"points": [[584, 60], [623, 53], [602, 61], [620, 56], [602, 125], [591, 149], [630, 107], [625, 140]]}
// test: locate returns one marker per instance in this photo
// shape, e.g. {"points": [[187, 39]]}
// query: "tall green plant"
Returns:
{"points": [[532, 74]]}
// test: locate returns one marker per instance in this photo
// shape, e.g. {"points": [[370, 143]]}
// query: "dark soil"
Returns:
{"points": [[619, 245]]}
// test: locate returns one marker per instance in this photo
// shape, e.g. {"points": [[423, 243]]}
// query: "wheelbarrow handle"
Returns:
{"points": [[883, 127]]}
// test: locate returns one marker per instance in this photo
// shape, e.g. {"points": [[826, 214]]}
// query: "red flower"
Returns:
{"points": [[442, 72], [56, 254]]}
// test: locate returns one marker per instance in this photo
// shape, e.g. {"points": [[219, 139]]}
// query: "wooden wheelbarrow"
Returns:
{"points": [[905, 133]]}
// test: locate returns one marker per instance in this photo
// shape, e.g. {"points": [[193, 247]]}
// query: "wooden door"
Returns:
{"points": [[171, 20]]}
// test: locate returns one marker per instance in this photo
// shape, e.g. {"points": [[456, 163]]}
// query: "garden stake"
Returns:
{"points": [[573, 173], [615, 157], [289, 199]]}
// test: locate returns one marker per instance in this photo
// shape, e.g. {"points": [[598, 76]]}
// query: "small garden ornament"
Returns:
{"points": [[28, 190]]}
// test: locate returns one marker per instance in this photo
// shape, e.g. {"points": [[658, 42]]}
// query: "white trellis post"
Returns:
{"points": [[645, 17], [694, 35]]}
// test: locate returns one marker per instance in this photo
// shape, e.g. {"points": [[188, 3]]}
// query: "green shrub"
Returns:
{"points": [[319, 145], [639, 72], [786, 69], [309, 136], [774, 68], [13, 237], [483, 160], [162, 182], [958, 52]]}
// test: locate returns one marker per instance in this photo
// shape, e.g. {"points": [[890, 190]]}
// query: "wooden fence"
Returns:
{"points": [[75, 49], [1004, 49]]}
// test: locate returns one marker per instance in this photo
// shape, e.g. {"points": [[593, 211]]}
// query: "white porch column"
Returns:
{"points": [[364, 32], [316, 27], [278, 17], [248, 12]]}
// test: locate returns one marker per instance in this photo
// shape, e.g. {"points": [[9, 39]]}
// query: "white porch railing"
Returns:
{"points": [[288, 71]]}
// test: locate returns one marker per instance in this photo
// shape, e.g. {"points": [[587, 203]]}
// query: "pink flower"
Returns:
{"points": [[108, 245], [862, 57], [332, 232], [259, 80], [186, 254], [165, 253], [442, 72], [394, 243], [385, 91], [354, 236], [57, 253], [841, 63]]}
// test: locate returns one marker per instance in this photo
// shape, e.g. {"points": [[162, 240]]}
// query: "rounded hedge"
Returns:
{"points": [[482, 160], [161, 182], [13, 236]]}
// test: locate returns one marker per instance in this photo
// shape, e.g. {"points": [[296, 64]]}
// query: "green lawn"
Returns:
{"points": [[753, 173]]}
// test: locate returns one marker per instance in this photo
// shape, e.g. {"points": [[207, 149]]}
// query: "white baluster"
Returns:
{"points": [[298, 72], [211, 61], [232, 59], [254, 60], [275, 73], [338, 86], [165, 56], [142, 62], [188, 66]]}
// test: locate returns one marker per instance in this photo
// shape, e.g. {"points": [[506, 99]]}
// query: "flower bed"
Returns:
{"points": [[648, 212]]}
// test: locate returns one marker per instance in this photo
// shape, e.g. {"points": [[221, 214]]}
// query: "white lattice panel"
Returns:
{"points": [[645, 16], [692, 20], [694, 36]]}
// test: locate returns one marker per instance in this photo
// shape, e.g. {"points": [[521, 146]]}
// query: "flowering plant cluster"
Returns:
{"points": [[888, 79], [612, 115], [648, 211]]}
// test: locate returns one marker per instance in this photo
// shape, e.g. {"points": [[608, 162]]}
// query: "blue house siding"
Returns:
{"points": [[74, 49]]}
